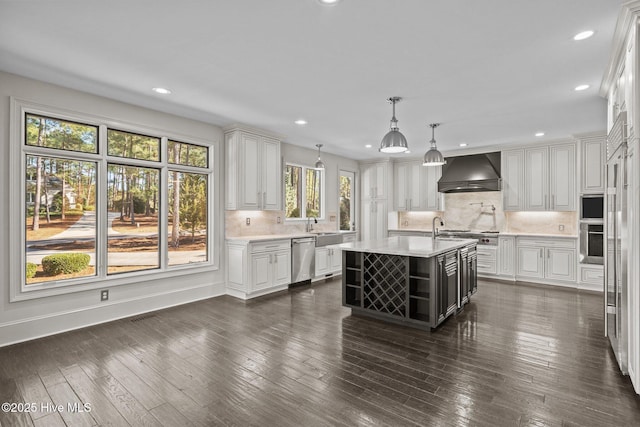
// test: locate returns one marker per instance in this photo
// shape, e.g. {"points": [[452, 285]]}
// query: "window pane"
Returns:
{"points": [[187, 154], [187, 234], [60, 219], [346, 192], [314, 177], [132, 146], [133, 204], [60, 134], [293, 191]]}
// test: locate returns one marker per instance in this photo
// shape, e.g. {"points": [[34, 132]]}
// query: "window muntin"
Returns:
{"points": [[59, 134], [179, 153], [187, 218], [133, 145], [94, 199], [132, 211], [63, 192], [303, 192]]}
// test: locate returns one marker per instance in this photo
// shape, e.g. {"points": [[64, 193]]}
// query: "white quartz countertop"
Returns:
{"points": [[268, 237], [413, 246]]}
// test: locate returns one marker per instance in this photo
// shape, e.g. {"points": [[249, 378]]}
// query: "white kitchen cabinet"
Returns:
{"points": [[507, 256], [592, 162], [513, 180], [374, 216], [548, 180], [416, 187], [328, 261], [258, 268], [487, 260], [591, 277], [375, 180], [254, 172], [547, 260]]}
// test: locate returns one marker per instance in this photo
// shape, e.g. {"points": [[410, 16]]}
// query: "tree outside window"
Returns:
{"points": [[303, 192]]}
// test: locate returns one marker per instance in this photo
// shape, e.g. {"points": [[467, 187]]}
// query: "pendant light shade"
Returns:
{"points": [[433, 157], [394, 141], [319, 164]]}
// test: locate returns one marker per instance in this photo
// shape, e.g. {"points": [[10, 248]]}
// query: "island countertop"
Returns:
{"points": [[412, 246]]}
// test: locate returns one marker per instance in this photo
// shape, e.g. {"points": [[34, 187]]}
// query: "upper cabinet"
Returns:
{"points": [[416, 187], [592, 161], [254, 172], [540, 178], [375, 180]]}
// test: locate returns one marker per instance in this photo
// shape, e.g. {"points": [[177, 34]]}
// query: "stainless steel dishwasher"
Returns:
{"points": [[302, 259]]}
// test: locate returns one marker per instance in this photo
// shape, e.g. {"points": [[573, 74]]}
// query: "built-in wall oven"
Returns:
{"points": [[591, 243]]}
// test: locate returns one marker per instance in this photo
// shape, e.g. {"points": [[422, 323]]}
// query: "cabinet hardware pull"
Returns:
{"points": [[271, 246]]}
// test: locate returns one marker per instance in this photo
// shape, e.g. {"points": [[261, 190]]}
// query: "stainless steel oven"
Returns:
{"points": [[592, 207], [591, 243]]}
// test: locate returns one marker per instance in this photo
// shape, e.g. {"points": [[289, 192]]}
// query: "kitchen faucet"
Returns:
{"points": [[434, 230], [309, 226]]}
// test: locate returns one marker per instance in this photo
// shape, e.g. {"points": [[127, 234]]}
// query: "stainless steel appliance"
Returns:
{"points": [[591, 207], [302, 259], [487, 238], [591, 243], [616, 238]]}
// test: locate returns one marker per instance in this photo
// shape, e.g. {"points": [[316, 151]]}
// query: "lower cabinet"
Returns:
{"points": [[591, 277], [487, 260], [258, 268], [507, 256], [328, 261], [545, 260]]}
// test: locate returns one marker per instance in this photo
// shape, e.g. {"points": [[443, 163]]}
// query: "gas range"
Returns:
{"points": [[488, 238]]}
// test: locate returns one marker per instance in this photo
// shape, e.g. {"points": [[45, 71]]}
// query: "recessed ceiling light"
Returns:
{"points": [[367, 146], [463, 144], [583, 35], [328, 2], [582, 87], [300, 122], [161, 90], [540, 134]]}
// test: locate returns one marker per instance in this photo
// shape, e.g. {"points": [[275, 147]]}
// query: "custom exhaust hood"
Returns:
{"points": [[477, 172]]}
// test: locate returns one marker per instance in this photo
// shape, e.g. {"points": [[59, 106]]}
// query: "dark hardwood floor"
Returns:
{"points": [[517, 355]]}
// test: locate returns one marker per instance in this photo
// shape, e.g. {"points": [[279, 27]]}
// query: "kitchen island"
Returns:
{"points": [[410, 280]]}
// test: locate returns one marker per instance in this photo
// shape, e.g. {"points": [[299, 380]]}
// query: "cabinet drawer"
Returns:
{"points": [[272, 245], [569, 243], [487, 267], [487, 253], [594, 275]]}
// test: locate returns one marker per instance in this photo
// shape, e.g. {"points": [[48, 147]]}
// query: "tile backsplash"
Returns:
{"points": [[482, 211], [266, 222]]}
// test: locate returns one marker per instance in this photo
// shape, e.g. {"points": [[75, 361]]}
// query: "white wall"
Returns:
{"points": [[20, 321]]}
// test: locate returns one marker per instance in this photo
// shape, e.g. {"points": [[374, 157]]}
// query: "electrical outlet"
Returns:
{"points": [[561, 227], [248, 221], [278, 220], [104, 295]]}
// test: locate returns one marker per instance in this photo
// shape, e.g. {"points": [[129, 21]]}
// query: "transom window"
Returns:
{"points": [[303, 192], [100, 201]]}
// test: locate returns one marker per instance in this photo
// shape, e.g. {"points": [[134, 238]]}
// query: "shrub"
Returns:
{"points": [[52, 265], [31, 270]]}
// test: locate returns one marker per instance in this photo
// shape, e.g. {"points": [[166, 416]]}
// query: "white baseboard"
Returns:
{"points": [[51, 324]]}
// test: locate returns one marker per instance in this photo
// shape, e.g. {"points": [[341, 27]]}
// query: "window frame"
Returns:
{"points": [[354, 201], [323, 181], [18, 150]]}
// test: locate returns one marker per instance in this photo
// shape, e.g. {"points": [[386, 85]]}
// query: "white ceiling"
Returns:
{"points": [[491, 71]]}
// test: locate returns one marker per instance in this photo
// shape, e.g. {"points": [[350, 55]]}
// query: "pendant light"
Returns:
{"points": [[394, 141], [319, 164], [433, 157]]}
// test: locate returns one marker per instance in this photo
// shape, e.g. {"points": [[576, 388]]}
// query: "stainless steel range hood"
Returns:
{"points": [[477, 172]]}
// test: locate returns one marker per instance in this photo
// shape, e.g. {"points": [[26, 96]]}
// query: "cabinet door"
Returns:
{"points": [[401, 183], [415, 186], [322, 261], [593, 160], [561, 264], [271, 174], [374, 181], [513, 180], [562, 181], [261, 271], [374, 219], [335, 260], [536, 166], [506, 255], [429, 188], [281, 268], [249, 172], [530, 261]]}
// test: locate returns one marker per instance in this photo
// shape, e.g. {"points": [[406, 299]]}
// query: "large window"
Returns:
{"points": [[303, 192], [347, 201], [101, 202]]}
